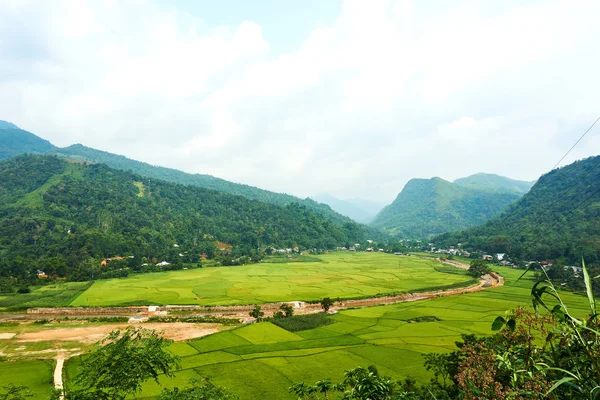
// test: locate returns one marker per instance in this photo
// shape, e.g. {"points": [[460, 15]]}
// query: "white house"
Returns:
{"points": [[162, 264]]}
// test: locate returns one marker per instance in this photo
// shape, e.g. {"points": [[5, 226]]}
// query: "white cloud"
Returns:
{"points": [[387, 91]]}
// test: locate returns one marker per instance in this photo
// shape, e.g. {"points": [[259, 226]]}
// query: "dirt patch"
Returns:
{"points": [[7, 335], [177, 331]]}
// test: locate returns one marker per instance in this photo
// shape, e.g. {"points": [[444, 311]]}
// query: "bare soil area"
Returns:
{"points": [[177, 331]]}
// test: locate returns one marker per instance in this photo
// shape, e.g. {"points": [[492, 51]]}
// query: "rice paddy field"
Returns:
{"points": [[262, 360], [344, 275], [35, 374]]}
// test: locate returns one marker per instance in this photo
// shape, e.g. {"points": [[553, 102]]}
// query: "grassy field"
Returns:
{"points": [[344, 275], [59, 294], [263, 360], [35, 374]]}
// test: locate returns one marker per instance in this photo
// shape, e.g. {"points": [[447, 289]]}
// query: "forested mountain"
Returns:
{"points": [[428, 207], [494, 183], [15, 141], [80, 152], [60, 216], [359, 210], [559, 219]]}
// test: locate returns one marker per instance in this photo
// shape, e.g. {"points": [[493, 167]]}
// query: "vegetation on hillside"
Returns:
{"points": [[63, 218], [14, 141], [557, 220], [83, 153], [428, 207], [494, 183]]}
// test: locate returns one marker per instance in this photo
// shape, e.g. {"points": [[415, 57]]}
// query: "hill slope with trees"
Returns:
{"points": [[427, 207], [83, 153], [15, 141], [59, 216], [559, 219], [494, 183]]}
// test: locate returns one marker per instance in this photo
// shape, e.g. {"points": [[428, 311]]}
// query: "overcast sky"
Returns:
{"points": [[350, 98]]}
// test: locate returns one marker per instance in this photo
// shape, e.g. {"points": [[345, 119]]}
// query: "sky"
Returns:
{"points": [[352, 98]]}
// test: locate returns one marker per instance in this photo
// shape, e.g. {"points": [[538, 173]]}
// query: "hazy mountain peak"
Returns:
{"points": [[7, 125], [495, 183]]}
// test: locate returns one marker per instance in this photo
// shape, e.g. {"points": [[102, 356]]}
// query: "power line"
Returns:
{"points": [[544, 177]]}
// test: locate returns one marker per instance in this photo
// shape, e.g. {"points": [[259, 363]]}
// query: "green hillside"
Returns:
{"points": [[58, 216], [83, 153], [15, 141], [494, 183], [558, 220], [433, 206]]}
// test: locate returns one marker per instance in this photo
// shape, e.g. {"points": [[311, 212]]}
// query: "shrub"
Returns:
{"points": [[303, 322]]}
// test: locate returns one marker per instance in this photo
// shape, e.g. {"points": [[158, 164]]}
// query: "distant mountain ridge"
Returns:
{"points": [[14, 141], [427, 207], [494, 183], [558, 220], [359, 210]]}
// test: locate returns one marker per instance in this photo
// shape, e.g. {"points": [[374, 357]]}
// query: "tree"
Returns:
{"points": [[257, 313], [125, 360], [288, 310], [326, 304], [478, 268], [13, 392], [199, 390], [438, 363]]}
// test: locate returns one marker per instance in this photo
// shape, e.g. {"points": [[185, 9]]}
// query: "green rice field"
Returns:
{"points": [[344, 275], [263, 360], [35, 374]]}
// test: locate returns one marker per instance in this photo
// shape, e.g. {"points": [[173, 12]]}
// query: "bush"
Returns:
{"points": [[24, 290], [303, 322]]}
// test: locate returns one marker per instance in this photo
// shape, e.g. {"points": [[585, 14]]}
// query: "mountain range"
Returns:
{"points": [[558, 219], [15, 141], [62, 217], [427, 207]]}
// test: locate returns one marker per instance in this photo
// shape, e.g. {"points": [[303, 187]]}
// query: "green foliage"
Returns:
{"points": [[14, 141], [81, 153], [358, 384], [558, 220], [256, 313], [12, 392], [59, 294], [428, 207], [64, 219], [494, 183], [478, 268], [287, 310], [199, 390], [123, 362], [299, 323], [326, 303]]}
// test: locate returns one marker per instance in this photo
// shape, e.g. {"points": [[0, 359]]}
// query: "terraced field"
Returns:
{"points": [[263, 360], [344, 275], [35, 374]]}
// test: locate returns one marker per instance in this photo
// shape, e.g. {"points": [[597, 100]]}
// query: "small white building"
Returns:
{"points": [[162, 264]]}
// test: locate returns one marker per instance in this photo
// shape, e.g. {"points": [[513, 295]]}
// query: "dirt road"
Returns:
{"points": [[177, 331]]}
